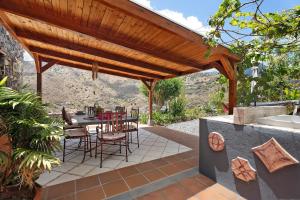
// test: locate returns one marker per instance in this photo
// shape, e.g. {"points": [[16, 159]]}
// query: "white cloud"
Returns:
{"points": [[191, 22], [145, 3]]}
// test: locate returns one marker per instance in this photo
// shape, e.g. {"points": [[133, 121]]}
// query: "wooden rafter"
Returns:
{"points": [[131, 43], [90, 62], [228, 68], [48, 65], [93, 51], [89, 68]]}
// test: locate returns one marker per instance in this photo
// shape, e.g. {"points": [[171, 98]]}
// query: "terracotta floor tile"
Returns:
{"points": [[136, 180], [109, 176], [192, 186], [170, 169], [128, 171], [93, 193], [67, 197], [59, 190], [152, 196], [145, 166], [192, 162], [154, 175], [159, 162], [174, 192], [182, 165], [87, 182], [115, 187], [171, 159], [204, 180]]}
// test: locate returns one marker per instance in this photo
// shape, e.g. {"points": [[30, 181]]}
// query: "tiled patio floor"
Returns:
{"points": [[172, 177], [152, 147]]}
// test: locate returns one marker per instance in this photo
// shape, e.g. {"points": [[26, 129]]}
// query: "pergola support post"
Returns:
{"points": [[232, 95], [38, 66], [39, 84], [150, 86], [39, 72]]}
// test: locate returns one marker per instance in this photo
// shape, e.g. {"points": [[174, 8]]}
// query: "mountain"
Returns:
{"points": [[74, 88]]}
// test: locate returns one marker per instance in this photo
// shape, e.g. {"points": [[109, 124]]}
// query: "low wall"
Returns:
{"points": [[239, 139]]}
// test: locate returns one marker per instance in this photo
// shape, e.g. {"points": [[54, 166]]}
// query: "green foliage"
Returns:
{"points": [[195, 113], [160, 118], [177, 106], [164, 90], [34, 137], [143, 118], [243, 23], [257, 36]]}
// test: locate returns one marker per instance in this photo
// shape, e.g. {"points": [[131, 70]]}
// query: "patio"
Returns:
{"points": [[123, 39], [152, 147], [169, 177]]}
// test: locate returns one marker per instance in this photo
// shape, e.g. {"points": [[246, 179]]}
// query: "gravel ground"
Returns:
{"points": [[189, 127]]}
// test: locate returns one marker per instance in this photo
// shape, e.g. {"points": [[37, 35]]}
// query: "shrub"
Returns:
{"points": [[195, 113], [28, 138], [143, 118], [177, 106]]}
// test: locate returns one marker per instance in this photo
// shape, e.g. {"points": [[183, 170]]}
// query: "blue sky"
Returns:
{"points": [[202, 9], [196, 13]]}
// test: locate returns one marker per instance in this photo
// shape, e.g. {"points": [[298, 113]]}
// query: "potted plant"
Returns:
{"points": [[28, 140]]}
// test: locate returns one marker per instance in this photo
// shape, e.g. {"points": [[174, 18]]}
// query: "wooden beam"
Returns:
{"points": [[228, 68], [146, 84], [219, 67], [64, 56], [37, 62], [48, 66], [9, 27], [232, 95], [89, 68], [101, 34], [93, 51]]}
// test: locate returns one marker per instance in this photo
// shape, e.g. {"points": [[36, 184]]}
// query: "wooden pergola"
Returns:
{"points": [[121, 37]]}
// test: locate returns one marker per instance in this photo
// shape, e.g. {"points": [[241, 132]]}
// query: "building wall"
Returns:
{"points": [[239, 139], [11, 57]]}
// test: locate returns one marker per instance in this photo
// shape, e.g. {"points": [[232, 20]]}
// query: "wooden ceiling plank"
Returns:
{"points": [[67, 23], [95, 52], [90, 62], [84, 67]]}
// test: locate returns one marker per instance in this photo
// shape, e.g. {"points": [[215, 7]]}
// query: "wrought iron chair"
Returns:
{"points": [[120, 109], [111, 132], [133, 126], [73, 132]]}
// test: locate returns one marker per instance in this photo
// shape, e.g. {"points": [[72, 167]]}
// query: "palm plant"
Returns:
{"points": [[28, 138]]}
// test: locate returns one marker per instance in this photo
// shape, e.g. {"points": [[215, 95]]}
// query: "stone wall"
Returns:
{"points": [[11, 57], [239, 139]]}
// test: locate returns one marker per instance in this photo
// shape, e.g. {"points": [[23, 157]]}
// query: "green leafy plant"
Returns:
{"points": [[177, 106], [143, 118], [28, 137], [164, 90]]}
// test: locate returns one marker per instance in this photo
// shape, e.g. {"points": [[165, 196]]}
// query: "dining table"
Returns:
{"points": [[85, 120]]}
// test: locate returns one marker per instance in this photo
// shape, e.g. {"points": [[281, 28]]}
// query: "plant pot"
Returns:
{"points": [[14, 192]]}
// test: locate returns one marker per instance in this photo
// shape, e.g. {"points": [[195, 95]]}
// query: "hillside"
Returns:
{"points": [[73, 88]]}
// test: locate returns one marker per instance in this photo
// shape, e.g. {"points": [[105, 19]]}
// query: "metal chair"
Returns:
{"points": [[111, 132], [77, 133], [73, 131], [134, 125]]}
